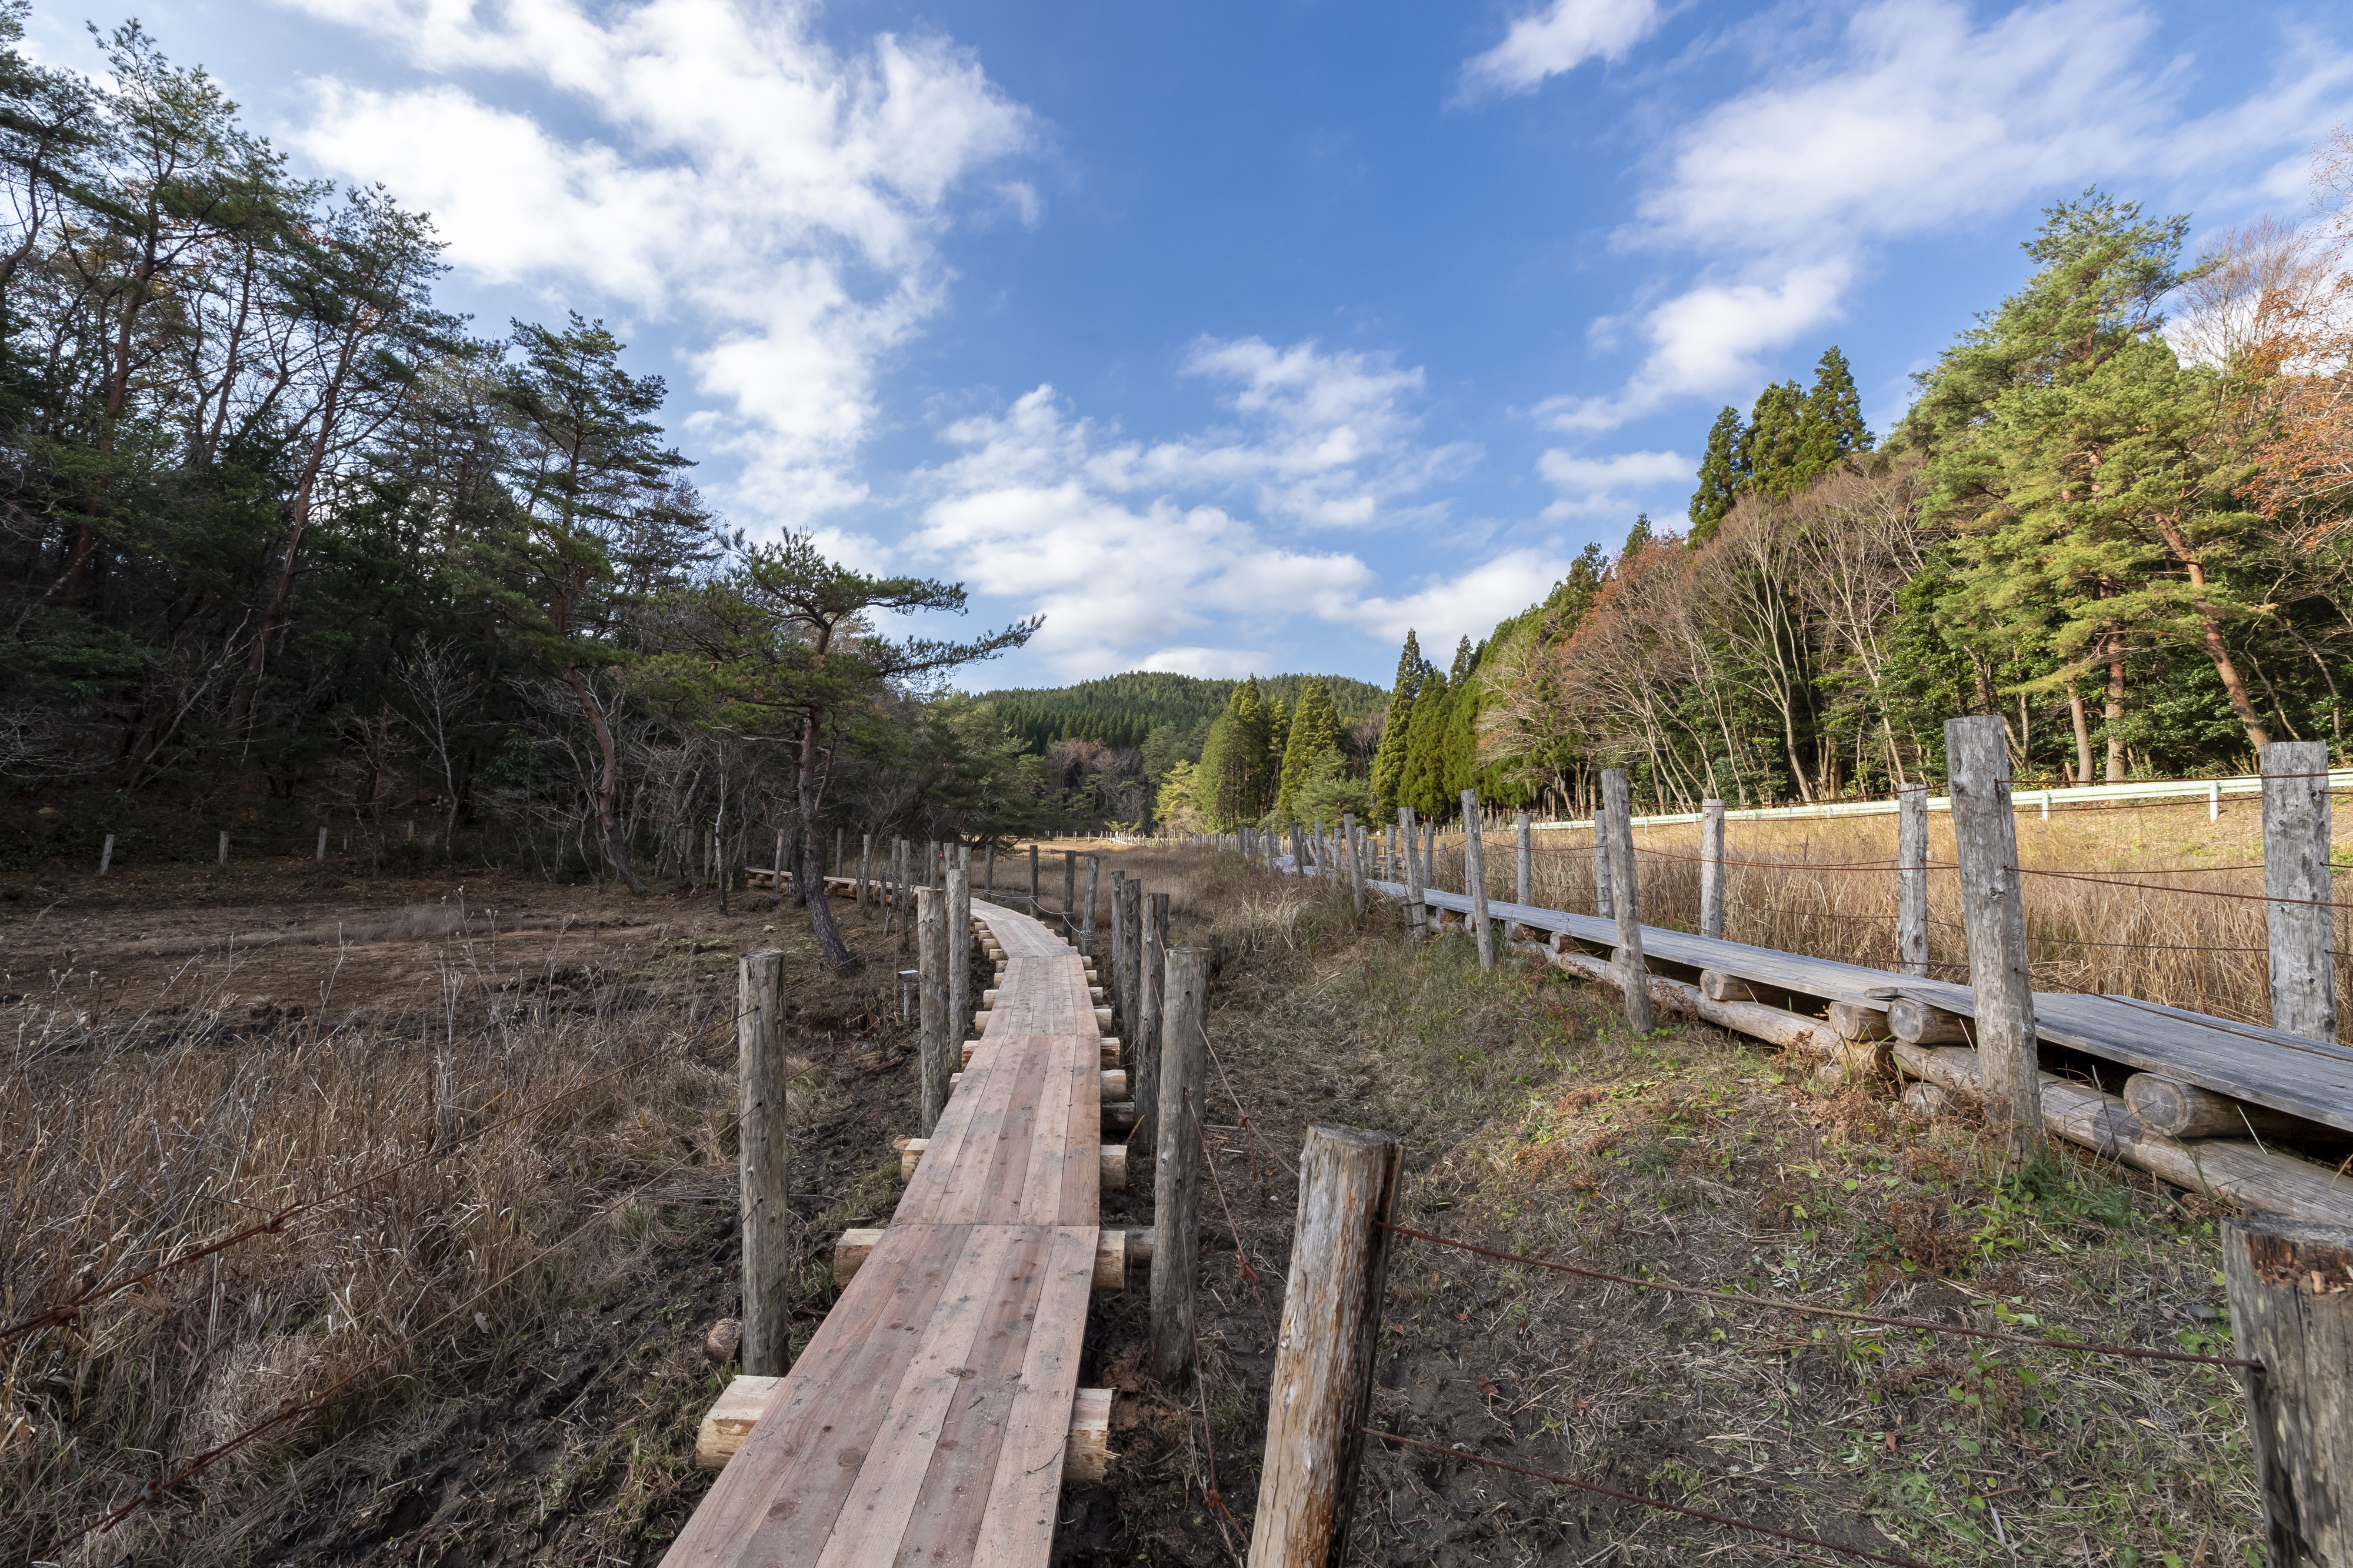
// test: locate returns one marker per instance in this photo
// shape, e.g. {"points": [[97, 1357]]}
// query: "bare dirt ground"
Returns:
{"points": [[559, 1427]]}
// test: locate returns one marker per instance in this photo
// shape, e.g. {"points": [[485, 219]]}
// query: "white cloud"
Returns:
{"points": [[1923, 120], [1469, 604], [1706, 340], [783, 198], [1132, 558], [1601, 485], [1558, 39]]}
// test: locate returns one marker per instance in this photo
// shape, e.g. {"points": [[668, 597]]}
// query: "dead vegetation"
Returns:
{"points": [[1534, 1124]]}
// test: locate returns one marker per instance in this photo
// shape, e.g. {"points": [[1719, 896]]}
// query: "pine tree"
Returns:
{"points": [[1461, 738], [1638, 538], [1462, 661], [1314, 735], [2072, 450], [1389, 761], [1721, 472], [1234, 774]]}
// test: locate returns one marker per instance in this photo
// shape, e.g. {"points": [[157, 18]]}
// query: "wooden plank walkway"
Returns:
{"points": [[2311, 1079], [925, 1423]]}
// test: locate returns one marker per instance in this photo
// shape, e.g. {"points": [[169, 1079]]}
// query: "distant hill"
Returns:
{"points": [[1122, 710]]}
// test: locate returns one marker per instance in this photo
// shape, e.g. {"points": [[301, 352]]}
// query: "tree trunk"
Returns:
{"points": [[616, 852], [811, 880], [2082, 737], [2114, 711]]}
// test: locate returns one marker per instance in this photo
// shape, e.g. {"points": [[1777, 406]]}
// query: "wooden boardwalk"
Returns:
{"points": [[2311, 1079], [927, 1420]]}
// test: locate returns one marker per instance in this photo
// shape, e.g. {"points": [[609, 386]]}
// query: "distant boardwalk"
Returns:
{"points": [[927, 1420]]}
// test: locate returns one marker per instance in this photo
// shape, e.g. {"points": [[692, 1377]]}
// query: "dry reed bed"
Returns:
{"points": [[127, 1143], [1828, 889]]}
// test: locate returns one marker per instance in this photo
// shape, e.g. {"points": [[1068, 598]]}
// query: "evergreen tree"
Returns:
{"points": [[1638, 538], [1389, 761], [1721, 472], [2071, 449], [1461, 740], [1463, 658], [1235, 779], [1772, 448], [1831, 427], [1315, 736], [1423, 784]]}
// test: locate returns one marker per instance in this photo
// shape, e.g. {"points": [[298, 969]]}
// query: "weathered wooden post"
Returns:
{"points": [[718, 867], [1711, 868], [1143, 1044], [1323, 1387], [1131, 957], [1633, 968], [1033, 880], [320, 857], [1356, 861], [1428, 863], [1298, 852], [224, 849], [839, 837], [1912, 879], [1416, 914], [1071, 892], [956, 936], [1087, 919], [1977, 757], [1176, 1163], [2295, 876], [1474, 878], [865, 864], [760, 1138], [988, 870], [1523, 840], [939, 1037], [2290, 1288], [1603, 905]]}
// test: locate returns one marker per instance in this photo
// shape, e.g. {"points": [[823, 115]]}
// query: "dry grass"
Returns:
{"points": [[130, 1136], [1828, 889], [1533, 1122]]}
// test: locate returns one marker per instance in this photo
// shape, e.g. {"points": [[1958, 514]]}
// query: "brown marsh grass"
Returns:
{"points": [[1827, 887]]}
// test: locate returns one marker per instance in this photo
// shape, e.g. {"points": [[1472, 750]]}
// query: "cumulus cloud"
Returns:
{"points": [[1601, 485], [1469, 604], [783, 198], [1558, 39], [1131, 549]]}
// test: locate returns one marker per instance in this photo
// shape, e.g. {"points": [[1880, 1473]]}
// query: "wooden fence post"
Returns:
{"points": [[865, 867], [1176, 1163], [1142, 1045], [1977, 759], [106, 852], [1033, 880], [1087, 919], [1523, 840], [767, 1212], [955, 938], [2290, 1288], [939, 1036], [1474, 878], [1356, 861], [1298, 851], [1070, 893], [1428, 864], [224, 849], [1711, 868], [1603, 906], [839, 868], [1323, 1386], [1912, 879], [320, 857], [988, 870], [1417, 914], [2295, 866], [1626, 886], [1131, 957]]}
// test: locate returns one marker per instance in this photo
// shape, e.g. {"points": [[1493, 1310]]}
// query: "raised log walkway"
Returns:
{"points": [[933, 1414]]}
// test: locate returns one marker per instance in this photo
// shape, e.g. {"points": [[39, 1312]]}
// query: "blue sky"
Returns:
{"points": [[1243, 337]]}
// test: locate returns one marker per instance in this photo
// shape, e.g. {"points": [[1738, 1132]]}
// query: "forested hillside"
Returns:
{"points": [[1123, 710], [2115, 516]]}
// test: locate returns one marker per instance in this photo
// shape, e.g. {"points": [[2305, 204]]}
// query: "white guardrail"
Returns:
{"points": [[2210, 791]]}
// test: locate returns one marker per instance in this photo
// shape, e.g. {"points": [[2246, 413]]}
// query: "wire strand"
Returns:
{"points": [[1808, 1310], [1659, 1503]]}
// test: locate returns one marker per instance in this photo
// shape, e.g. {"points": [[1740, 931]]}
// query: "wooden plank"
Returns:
{"points": [[792, 1465], [994, 1275], [731, 1419], [997, 1165], [1017, 1526], [1039, 1197], [932, 1192]]}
